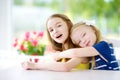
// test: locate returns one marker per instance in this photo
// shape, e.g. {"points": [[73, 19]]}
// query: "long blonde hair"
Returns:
{"points": [[60, 46], [97, 32]]}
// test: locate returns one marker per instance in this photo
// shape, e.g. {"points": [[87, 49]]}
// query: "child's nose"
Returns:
{"points": [[55, 30], [83, 41]]}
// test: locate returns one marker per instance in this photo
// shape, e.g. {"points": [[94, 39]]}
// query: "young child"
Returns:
{"points": [[58, 29], [88, 37]]}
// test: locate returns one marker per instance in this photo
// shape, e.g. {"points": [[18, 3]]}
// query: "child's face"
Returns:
{"points": [[83, 36], [58, 29]]}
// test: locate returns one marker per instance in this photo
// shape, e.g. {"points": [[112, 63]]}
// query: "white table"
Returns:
{"points": [[10, 70], [17, 73]]}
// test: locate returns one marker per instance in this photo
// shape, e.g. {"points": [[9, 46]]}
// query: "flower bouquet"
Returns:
{"points": [[30, 43]]}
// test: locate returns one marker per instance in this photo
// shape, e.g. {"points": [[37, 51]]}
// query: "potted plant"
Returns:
{"points": [[30, 43]]}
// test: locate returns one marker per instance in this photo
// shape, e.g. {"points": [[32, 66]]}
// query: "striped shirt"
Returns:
{"points": [[106, 60]]}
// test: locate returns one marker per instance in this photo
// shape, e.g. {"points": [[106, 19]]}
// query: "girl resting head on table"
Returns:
{"points": [[88, 37]]}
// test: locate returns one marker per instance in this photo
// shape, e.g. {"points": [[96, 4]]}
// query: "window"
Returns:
{"points": [[5, 24]]}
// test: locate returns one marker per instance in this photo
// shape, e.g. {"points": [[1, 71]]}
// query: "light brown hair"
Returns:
{"points": [[60, 46], [97, 32]]}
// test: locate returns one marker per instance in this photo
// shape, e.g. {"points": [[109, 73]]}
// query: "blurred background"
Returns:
{"points": [[18, 16]]}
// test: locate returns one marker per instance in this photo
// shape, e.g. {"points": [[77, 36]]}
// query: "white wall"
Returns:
{"points": [[5, 24]]}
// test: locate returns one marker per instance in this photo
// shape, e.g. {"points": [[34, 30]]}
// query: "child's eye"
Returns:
{"points": [[50, 30], [59, 26], [84, 34]]}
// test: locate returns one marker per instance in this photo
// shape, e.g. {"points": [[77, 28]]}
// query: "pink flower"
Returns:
{"points": [[15, 44], [22, 48], [40, 34], [34, 42], [30, 43], [27, 36], [34, 32]]}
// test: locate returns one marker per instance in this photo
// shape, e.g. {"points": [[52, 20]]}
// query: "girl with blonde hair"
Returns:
{"points": [[88, 37]]}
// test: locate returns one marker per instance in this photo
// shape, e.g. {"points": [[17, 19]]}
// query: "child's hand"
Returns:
{"points": [[28, 65], [56, 56]]}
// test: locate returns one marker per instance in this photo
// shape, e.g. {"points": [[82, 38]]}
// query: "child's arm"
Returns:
{"points": [[98, 49], [78, 52], [60, 66], [53, 65]]}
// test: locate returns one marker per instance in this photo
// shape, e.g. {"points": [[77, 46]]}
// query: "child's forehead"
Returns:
{"points": [[80, 27], [54, 21]]}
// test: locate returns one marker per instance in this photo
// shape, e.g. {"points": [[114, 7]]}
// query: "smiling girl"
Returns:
{"points": [[58, 29], [88, 37]]}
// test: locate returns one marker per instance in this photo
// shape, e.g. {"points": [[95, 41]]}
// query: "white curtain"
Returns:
{"points": [[5, 25]]}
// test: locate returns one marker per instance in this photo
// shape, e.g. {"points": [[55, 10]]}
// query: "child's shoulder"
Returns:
{"points": [[102, 44], [106, 43]]}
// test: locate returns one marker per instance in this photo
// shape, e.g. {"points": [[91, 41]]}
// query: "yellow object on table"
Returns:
{"points": [[81, 66]]}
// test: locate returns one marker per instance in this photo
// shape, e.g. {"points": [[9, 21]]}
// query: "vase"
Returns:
{"points": [[30, 58], [34, 60]]}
